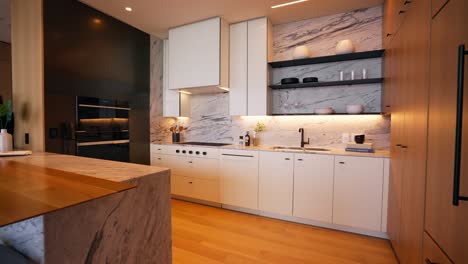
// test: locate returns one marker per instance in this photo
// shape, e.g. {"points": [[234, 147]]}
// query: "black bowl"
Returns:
{"points": [[289, 80], [359, 139], [310, 79]]}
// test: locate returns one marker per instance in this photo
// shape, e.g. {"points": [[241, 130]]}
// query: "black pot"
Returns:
{"points": [[310, 79], [289, 80]]}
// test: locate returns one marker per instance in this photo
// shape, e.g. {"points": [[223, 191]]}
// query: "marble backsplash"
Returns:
{"points": [[320, 35], [210, 120]]}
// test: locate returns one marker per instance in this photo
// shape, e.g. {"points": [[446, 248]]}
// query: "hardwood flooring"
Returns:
{"points": [[208, 235]]}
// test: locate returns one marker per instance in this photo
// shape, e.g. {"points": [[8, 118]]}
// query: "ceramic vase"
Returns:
{"points": [[301, 52], [6, 141], [344, 47]]}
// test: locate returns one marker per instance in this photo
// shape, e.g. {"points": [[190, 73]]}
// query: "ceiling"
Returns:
{"points": [[5, 31], [157, 16]]}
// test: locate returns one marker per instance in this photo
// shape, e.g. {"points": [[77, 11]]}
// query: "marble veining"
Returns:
{"points": [[210, 120], [320, 35]]}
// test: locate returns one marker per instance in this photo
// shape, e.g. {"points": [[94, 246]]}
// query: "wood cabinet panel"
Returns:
{"points": [[445, 222], [437, 6], [432, 254]]}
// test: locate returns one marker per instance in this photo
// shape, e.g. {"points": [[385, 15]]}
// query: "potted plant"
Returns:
{"points": [[176, 132], [6, 140], [259, 127]]}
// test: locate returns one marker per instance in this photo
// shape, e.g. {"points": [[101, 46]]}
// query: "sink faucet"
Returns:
{"points": [[301, 130]]}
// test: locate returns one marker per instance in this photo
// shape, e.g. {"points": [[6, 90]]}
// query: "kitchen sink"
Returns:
{"points": [[300, 149]]}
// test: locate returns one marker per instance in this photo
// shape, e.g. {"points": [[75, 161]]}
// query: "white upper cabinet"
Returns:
{"points": [[250, 44], [276, 175], [313, 187], [358, 192], [171, 98], [199, 56]]}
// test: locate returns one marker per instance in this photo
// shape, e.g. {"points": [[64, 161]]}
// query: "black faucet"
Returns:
{"points": [[301, 130]]}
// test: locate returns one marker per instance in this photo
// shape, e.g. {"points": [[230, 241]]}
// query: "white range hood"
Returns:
{"points": [[199, 57]]}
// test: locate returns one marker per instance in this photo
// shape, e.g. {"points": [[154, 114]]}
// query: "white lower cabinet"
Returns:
{"points": [[276, 173], [358, 192], [313, 187], [239, 178], [196, 188]]}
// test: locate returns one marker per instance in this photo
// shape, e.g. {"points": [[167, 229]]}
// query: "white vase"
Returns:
{"points": [[301, 52], [344, 47], [6, 141]]}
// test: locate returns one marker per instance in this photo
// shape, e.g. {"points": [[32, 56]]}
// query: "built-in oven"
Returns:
{"points": [[102, 128]]}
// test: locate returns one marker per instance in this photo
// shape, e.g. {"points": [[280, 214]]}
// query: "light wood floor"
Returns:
{"points": [[207, 235]]}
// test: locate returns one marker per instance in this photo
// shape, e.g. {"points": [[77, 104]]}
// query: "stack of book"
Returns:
{"points": [[366, 147]]}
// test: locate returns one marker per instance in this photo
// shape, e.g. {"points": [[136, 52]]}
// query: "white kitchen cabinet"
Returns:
{"points": [[313, 187], [238, 69], [276, 174], [358, 192], [199, 56], [250, 43], [171, 98], [239, 178]]}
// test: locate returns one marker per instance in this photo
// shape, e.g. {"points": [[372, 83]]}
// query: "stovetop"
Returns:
{"points": [[205, 144]]}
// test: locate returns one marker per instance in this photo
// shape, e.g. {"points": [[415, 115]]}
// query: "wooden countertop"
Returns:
{"points": [[28, 190]]}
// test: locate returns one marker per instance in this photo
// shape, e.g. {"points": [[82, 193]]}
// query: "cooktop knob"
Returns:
{"points": [[204, 153], [177, 151], [197, 152], [183, 151], [190, 152]]}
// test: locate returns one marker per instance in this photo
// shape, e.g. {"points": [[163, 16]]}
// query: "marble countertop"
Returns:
{"points": [[42, 183], [332, 151], [102, 169]]}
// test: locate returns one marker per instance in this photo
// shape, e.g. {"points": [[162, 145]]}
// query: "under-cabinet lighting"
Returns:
{"points": [[289, 3], [184, 92], [129, 9], [223, 88]]}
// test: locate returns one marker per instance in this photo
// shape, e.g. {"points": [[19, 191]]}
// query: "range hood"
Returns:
{"points": [[199, 57]]}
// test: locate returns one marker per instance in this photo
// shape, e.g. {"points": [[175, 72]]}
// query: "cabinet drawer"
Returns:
{"points": [[195, 188], [432, 253], [158, 160], [158, 149]]}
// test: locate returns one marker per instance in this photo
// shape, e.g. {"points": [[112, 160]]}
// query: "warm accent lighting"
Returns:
{"points": [[289, 3], [223, 88], [184, 92], [129, 9]]}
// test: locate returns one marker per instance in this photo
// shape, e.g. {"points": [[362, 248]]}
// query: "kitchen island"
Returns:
{"points": [[110, 212]]}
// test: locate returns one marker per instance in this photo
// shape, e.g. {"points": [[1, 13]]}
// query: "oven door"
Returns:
{"points": [[117, 150]]}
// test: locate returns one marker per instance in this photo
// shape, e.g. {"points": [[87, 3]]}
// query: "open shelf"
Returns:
{"points": [[321, 84], [292, 114], [326, 59]]}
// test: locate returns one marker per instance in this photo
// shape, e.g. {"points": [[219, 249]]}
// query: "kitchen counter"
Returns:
{"points": [[333, 151], [90, 211]]}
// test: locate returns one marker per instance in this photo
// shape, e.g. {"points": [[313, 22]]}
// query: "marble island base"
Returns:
{"points": [[127, 227]]}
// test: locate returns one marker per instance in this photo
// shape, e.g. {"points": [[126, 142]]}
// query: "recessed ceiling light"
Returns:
{"points": [[129, 9], [289, 3]]}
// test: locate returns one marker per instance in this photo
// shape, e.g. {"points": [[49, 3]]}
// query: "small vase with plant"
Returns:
{"points": [[176, 130], [259, 127], [6, 140]]}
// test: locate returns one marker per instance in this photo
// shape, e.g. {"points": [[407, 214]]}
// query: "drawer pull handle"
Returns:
{"points": [[235, 155], [407, 2], [300, 159], [159, 158], [389, 34], [341, 162], [287, 159], [401, 12], [190, 162], [190, 182]]}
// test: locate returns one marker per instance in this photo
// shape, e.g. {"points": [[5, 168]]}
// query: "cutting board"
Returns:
{"points": [[15, 153]]}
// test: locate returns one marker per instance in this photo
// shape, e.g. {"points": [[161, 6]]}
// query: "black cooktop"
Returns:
{"points": [[205, 144]]}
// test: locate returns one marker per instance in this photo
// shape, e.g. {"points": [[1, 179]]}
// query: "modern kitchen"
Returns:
{"points": [[269, 131]]}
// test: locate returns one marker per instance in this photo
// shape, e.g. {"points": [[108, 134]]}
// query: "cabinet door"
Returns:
{"points": [[313, 186], [179, 165], [257, 67], [158, 160], [276, 182], [446, 223], [171, 99], [239, 178], [238, 69], [194, 59], [357, 196], [432, 254]]}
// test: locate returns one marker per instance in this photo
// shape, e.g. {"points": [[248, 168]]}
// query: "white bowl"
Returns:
{"points": [[344, 47], [324, 111], [354, 109], [301, 52]]}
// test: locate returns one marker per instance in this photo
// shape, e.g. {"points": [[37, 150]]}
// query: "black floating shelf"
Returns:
{"points": [[326, 59], [292, 114], [321, 84]]}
